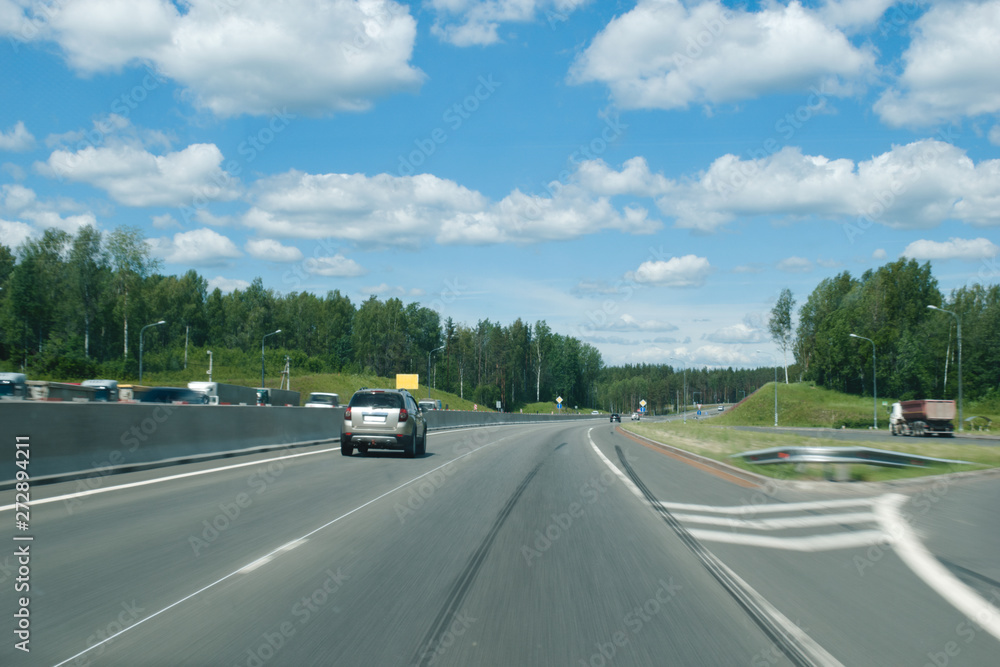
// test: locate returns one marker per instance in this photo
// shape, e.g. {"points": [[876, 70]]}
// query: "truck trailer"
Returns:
{"points": [[225, 394], [922, 417]]}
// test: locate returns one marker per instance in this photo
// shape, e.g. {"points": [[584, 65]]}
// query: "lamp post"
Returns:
{"points": [[429, 368], [874, 382], [209, 366], [959, 321], [684, 382], [154, 324], [262, 355], [775, 385]]}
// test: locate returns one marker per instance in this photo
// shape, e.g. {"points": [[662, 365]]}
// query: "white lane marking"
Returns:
{"points": [[284, 547], [812, 543], [818, 654], [930, 570], [775, 507], [271, 556], [195, 473], [780, 523]]}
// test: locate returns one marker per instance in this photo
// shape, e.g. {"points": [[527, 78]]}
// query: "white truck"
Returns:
{"points": [[225, 394], [922, 417]]}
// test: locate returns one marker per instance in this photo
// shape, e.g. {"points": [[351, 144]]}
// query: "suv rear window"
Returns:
{"points": [[377, 400]]}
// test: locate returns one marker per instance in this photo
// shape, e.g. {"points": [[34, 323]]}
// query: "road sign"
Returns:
{"points": [[559, 399], [643, 402], [498, 405]]}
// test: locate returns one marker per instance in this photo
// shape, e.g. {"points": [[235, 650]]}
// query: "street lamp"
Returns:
{"points": [[684, 383], [209, 366], [874, 381], [154, 324], [775, 385], [429, 368], [262, 356], [959, 321]]}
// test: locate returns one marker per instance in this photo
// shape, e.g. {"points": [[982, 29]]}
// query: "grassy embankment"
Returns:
{"points": [[803, 405]]}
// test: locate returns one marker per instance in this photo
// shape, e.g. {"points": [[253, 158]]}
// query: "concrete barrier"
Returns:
{"points": [[100, 438]]}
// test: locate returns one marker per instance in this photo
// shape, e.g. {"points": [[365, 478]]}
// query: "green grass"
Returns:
{"points": [[720, 442]]}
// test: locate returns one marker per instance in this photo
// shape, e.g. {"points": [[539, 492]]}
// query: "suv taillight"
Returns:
{"points": [[403, 415], [347, 413]]}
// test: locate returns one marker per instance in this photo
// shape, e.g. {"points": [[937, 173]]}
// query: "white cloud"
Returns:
{"points": [[718, 356], [475, 23], [16, 197], [994, 135], [136, 177], [663, 55], [853, 14], [273, 251], [950, 67], [16, 138], [748, 268], [629, 323], [829, 263], [795, 265], [45, 218], [635, 179], [63, 214], [879, 254], [336, 266], [686, 271], [914, 186], [251, 56], [14, 233], [165, 221], [964, 249], [385, 289], [198, 247], [389, 210], [227, 284], [737, 333]]}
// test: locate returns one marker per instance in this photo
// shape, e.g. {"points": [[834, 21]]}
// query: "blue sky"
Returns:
{"points": [[644, 176]]}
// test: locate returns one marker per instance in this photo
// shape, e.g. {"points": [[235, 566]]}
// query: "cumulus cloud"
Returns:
{"points": [[385, 289], [475, 23], [336, 266], [14, 233], [949, 68], [272, 251], [737, 333], [135, 177], [388, 210], [198, 247], [64, 214], [795, 265], [17, 138], [248, 57], [879, 254], [630, 323], [686, 271], [914, 186], [964, 249], [664, 55], [226, 285]]}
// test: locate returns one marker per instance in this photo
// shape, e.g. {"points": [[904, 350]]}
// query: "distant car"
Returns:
{"points": [[105, 390], [594, 412], [319, 399], [13, 385], [615, 417], [721, 408], [635, 416], [429, 404], [383, 419], [173, 395]]}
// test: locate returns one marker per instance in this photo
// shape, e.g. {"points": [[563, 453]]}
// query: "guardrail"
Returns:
{"points": [[864, 455]]}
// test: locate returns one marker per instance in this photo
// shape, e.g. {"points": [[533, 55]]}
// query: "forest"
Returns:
{"points": [[76, 306]]}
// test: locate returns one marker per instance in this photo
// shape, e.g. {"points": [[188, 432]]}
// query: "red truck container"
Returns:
{"points": [[922, 417]]}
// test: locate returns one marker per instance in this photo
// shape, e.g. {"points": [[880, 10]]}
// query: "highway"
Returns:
{"points": [[547, 544]]}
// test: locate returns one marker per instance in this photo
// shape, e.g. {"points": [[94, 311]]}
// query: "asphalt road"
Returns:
{"points": [[520, 545]]}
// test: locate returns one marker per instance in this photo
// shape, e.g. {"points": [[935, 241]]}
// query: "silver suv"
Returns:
{"points": [[383, 419]]}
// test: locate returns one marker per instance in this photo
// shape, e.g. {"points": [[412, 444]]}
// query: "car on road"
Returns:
{"points": [[173, 395], [635, 416], [615, 417], [320, 399], [594, 412], [383, 419], [722, 408], [429, 404]]}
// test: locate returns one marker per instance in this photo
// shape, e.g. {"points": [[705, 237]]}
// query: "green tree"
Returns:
{"points": [[780, 325]]}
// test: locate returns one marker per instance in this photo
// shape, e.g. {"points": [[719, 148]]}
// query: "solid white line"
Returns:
{"points": [[780, 523], [271, 554], [862, 538], [91, 492], [751, 510], [267, 559], [819, 655], [927, 567]]}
